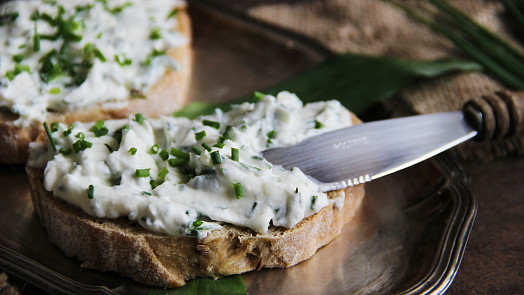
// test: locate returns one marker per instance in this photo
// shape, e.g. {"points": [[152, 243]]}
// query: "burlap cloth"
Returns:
{"points": [[375, 27]]}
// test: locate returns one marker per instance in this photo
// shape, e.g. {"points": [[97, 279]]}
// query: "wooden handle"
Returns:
{"points": [[496, 115]]}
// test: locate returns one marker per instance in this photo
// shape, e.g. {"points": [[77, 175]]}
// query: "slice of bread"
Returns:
{"points": [[167, 95], [169, 261]]}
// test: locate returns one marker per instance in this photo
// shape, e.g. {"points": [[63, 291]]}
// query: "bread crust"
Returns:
{"points": [[169, 261], [14, 140]]}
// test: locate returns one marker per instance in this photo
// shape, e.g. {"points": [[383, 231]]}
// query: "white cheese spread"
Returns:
{"points": [[186, 177], [66, 55]]}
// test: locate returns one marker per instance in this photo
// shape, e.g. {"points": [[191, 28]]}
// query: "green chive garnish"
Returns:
{"points": [[18, 58], [164, 155], [207, 147], [215, 157], [153, 183], [174, 12], [81, 145], [109, 148], [239, 190], [197, 223], [154, 149], [176, 162], [219, 145], [54, 126], [147, 193], [179, 154], [200, 135], [139, 118], [122, 60], [132, 151], [50, 136], [259, 95], [318, 124], [99, 129], [235, 154], [80, 135], [69, 129], [272, 134], [36, 40], [155, 34], [162, 173], [64, 151], [91, 191], [212, 124], [54, 90], [196, 150], [313, 201], [142, 172]]}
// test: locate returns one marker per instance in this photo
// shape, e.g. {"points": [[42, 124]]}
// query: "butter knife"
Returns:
{"points": [[365, 152]]}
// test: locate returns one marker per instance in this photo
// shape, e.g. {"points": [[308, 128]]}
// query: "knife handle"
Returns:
{"points": [[495, 116]]}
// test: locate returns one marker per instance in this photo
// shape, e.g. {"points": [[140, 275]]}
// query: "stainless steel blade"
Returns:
{"points": [[365, 152]]}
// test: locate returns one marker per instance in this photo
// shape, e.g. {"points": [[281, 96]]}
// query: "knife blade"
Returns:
{"points": [[368, 151]]}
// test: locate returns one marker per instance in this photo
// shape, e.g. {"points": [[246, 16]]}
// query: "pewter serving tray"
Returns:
{"points": [[408, 238]]}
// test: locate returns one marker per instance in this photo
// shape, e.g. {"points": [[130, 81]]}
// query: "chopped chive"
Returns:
{"points": [[239, 190], [318, 124], [18, 58], [164, 155], [215, 157], [296, 190], [162, 173], [50, 136], [80, 135], [174, 12], [153, 183], [91, 191], [176, 162], [122, 60], [99, 129], [272, 134], [200, 135], [132, 151], [196, 150], [197, 223], [235, 154], [69, 129], [259, 95], [64, 151], [54, 127], [212, 124], [313, 201], [139, 118], [54, 90], [109, 148], [207, 147], [81, 145], [147, 193], [155, 34], [36, 40], [154, 149], [179, 154], [219, 145], [142, 172], [259, 158]]}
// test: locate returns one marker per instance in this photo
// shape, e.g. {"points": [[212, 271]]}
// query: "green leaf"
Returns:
{"points": [[357, 81], [230, 285]]}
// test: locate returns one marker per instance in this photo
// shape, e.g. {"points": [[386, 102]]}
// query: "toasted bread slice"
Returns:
{"points": [[167, 95], [169, 261]]}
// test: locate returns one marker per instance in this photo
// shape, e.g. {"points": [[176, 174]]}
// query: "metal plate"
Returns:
{"points": [[409, 237]]}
